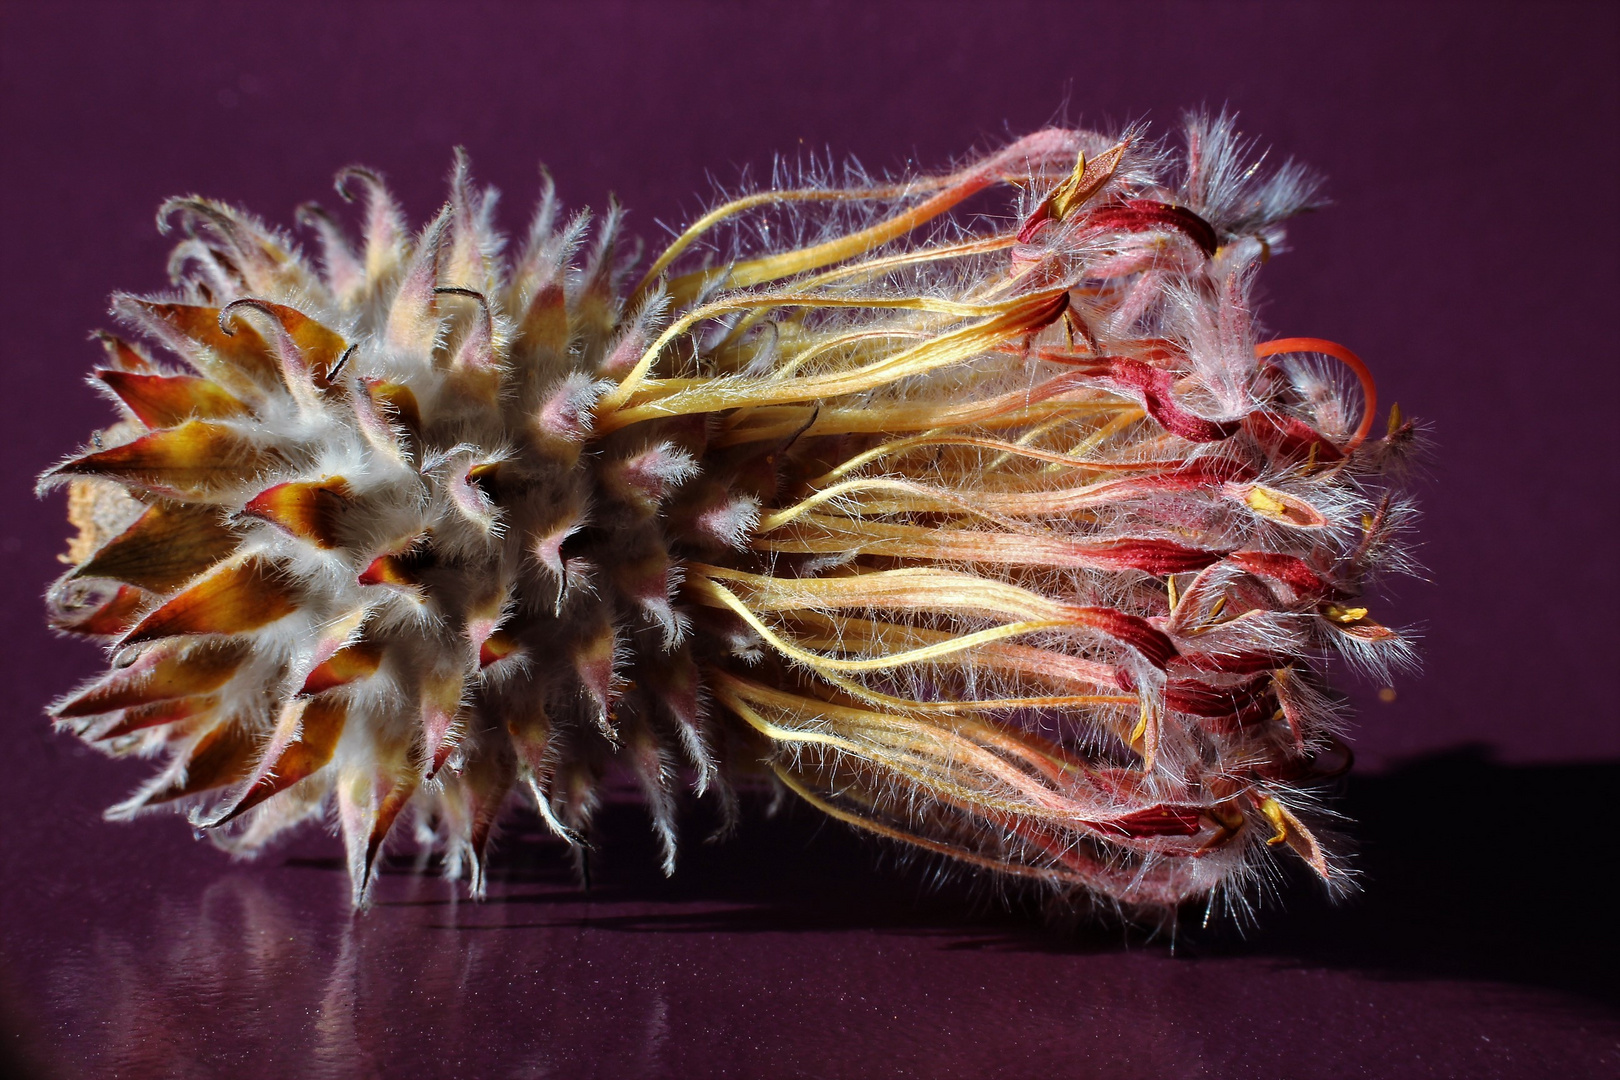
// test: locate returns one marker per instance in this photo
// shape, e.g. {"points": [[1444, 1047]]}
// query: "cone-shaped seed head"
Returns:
{"points": [[1001, 536]]}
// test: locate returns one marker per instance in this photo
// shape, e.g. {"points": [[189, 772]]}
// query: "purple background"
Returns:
{"points": [[1470, 255]]}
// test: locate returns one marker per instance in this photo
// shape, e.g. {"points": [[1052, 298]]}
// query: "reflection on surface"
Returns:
{"points": [[788, 953]]}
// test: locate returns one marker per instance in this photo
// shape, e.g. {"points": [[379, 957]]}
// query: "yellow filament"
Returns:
{"points": [[937, 757], [910, 258], [1000, 506], [1114, 426], [713, 591], [947, 348], [926, 498], [664, 387], [632, 381], [1063, 701], [935, 846], [1003, 448], [937, 543], [908, 589], [1020, 158], [800, 260], [766, 198], [1002, 411], [1059, 667], [777, 733]]}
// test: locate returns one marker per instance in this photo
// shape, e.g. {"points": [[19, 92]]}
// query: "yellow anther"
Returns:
{"points": [[1279, 820], [1261, 501], [1087, 179], [1343, 615], [1280, 506], [1215, 610], [1138, 731], [1394, 417], [1170, 583], [1063, 197]]}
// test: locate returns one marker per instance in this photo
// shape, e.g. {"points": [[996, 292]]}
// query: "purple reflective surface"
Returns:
{"points": [[1471, 256], [790, 951]]}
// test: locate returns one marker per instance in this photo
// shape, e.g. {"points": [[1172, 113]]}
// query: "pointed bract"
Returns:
{"points": [[167, 400], [303, 742], [239, 597], [312, 511], [168, 545], [199, 460]]}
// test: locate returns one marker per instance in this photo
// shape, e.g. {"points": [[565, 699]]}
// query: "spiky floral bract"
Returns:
{"points": [[1001, 536]]}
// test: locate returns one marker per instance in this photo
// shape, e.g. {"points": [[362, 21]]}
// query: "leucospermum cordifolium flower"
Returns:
{"points": [[1004, 535]]}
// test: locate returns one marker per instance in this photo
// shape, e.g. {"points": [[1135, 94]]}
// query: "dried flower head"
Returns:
{"points": [[1000, 535]]}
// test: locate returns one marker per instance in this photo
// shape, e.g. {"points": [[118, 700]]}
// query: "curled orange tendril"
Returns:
{"points": [[1369, 390]]}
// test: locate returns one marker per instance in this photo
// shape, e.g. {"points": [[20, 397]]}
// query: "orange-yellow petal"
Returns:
{"points": [[241, 361], [347, 665], [309, 510], [162, 401], [241, 597]]}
